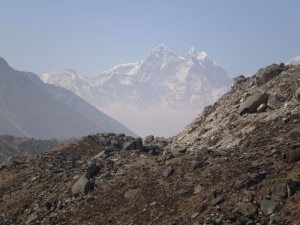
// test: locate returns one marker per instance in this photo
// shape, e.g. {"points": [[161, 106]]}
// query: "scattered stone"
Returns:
{"points": [[92, 170], [276, 220], [266, 74], [32, 218], [261, 108], [279, 190], [297, 94], [198, 189], [268, 205], [82, 186], [293, 155], [148, 139], [194, 215], [246, 146], [217, 200], [239, 80], [202, 206], [274, 101], [246, 209], [195, 165], [168, 171], [152, 204], [131, 193], [136, 144], [292, 186], [251, 104]]}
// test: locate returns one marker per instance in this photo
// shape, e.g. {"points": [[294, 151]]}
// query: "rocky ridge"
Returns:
{"points": [[236, 163]]}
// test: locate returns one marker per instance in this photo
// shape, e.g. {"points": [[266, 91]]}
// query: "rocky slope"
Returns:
{"points": [[161, 86], [237, 163], [31, 108]]}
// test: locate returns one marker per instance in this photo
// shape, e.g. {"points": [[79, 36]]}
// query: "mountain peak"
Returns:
{"points": [[192, 52], [160, 50], [3, 62]]}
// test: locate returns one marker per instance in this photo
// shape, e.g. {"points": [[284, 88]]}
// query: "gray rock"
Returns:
{"points": [[293, 155], [266, 74], [274, 101], [196, 164], [198, 189], [82, 186], [261, 108], [268, 205], [136, 144], [148, 139], [297, 94], [131, 193], [251, 104], [276, 220], [292, 186], [279, 189], [246, 209], [218, 200], [33, 217], [168, 171], [202, 206], [239, 80], [92, 170]]}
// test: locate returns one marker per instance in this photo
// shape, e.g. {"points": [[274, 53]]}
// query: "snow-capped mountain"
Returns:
{"points": [[294, 61], [161, 85]]}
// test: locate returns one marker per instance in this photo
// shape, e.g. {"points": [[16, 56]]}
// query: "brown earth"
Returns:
{"points": [[223, 168]]}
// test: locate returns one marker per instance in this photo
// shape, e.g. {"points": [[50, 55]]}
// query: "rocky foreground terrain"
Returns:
{"points": [[237, 163]]}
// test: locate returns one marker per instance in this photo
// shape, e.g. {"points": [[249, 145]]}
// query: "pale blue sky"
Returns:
{"points": [[93, 35]]}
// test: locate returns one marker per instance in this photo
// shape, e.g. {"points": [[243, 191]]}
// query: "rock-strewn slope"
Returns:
{"points": [[228, 166]]}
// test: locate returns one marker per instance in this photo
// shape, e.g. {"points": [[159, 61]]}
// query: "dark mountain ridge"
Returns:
{"points": [[28, 107]]}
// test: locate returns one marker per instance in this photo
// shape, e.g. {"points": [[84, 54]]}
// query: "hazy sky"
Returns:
{"points": [[94, 35]]}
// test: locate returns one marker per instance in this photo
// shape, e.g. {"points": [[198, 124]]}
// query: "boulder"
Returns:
{"points": [[168, 171], [268, 205], [274, 101], [246, 209], [217, 200], [82, 186], [266, 74], [136, 144], [202, 206], [239, 80], [251, 104], [297, 94], [148, 139], [279, 189], [293, 155], [92, 170], [131, 193]]}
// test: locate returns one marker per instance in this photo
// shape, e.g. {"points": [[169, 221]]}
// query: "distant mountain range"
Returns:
{"points": [[158, 95], [31, 108]]}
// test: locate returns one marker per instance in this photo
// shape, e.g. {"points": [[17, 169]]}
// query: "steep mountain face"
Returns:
{"points": [[237, 163], [28, 107], [163, 85]]}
